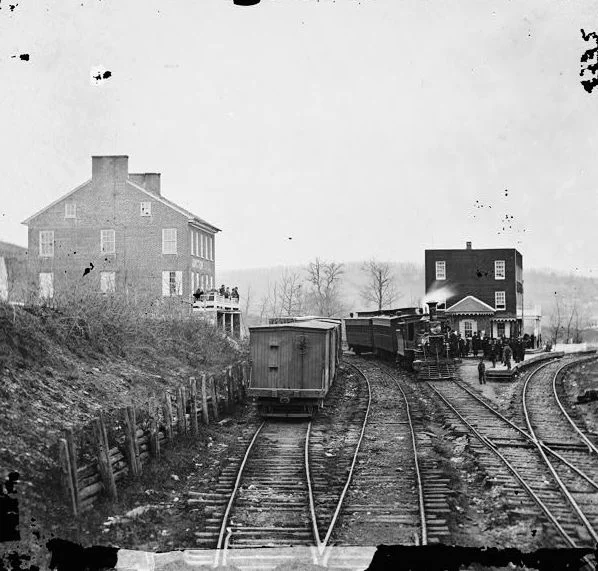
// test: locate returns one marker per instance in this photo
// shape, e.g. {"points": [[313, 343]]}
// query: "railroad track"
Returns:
{"points": [[399, 493], [283, 492], [547, 420], [517, 459]]}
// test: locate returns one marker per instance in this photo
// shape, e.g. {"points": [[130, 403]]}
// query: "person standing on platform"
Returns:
{"points": [[482, 372], [508, 353], [493, 355]]}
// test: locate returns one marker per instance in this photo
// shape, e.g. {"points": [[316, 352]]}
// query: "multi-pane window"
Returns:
{"points": [[499, 269], [46, 243], [202, 250], [500, 329], [146, 209], [108, 282], [70, 210], [500, 300], [46, 285], [197, 243], [172, 283], [468, 328], [441, 270], [107, 241], [169, 240]]}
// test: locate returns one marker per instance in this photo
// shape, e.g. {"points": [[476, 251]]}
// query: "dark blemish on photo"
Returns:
{"points": [[24, 57], [67, 555], [103, 75], [88, 269], [589, 62], [245, 2], [9, 509]]}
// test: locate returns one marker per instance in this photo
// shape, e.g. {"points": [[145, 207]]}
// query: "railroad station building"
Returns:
{"points": [[117, 233], [479, 290]]}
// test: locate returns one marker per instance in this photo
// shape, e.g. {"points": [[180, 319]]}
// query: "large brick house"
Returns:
{"points": [[120, 227], [478, 290]]}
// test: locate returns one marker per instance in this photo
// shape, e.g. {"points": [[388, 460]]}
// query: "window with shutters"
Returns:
{"points": [[441, 270], [46, 285], [107, 242], [107, 282], [172, 283], [46, 243], [169, 245]]}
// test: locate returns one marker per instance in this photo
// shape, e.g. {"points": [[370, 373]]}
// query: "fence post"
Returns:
{"points": [[193, 408], [154, 440], [72, 456], [214, 395], [244, 381], [204, 400], [103, 451], [230, 406], [66, 476], [168, 416], [180, 408], [131, 440]]}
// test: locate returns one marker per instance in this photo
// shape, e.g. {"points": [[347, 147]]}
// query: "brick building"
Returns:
{"points": [[132, 238], [479, 290]]}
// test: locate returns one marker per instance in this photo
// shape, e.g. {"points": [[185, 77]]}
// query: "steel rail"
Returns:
{"points": [[547, 448], [489, 444], [231, 500], [561, 484], [420, 488], [583, 437], [322, 545], [312, 509]]}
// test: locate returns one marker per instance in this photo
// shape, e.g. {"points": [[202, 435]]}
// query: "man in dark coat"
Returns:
{"points": [[482, 372], [475, 344]]}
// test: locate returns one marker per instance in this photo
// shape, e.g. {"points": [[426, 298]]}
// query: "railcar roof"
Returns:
{"points": [[321, 325]]}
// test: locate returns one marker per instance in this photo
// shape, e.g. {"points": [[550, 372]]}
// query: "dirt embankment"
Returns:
{"points": [[59, 368]]}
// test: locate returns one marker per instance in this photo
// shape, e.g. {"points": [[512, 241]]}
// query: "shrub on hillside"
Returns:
{"points": [[83, 320]]}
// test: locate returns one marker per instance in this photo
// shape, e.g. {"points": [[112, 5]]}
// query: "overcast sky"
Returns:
{"points": [[358, 128]]}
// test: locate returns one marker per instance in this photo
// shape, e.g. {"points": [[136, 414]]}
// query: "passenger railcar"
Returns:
{"points": [[293, 366]]}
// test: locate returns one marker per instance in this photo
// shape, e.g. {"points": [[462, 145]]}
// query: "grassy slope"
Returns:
{"points": [[54, 375]]}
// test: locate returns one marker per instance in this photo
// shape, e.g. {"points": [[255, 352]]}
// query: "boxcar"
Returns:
{"points": [[358, 331], [293, 366], [384, 331]]}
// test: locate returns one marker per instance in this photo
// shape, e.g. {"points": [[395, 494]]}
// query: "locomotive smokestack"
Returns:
{"points": [[432, 305]]}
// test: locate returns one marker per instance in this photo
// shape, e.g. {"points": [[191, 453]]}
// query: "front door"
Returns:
{"points": [[467, 327]]}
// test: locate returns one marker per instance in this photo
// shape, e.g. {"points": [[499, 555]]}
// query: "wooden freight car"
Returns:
{"points": [[384, 332], [358, 331], [293, 366]]}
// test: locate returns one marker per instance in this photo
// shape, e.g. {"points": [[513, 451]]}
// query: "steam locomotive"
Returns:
{"points": [[413, 339]]}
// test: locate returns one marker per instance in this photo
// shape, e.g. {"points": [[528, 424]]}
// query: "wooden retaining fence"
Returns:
{"points": [[197, 403]]}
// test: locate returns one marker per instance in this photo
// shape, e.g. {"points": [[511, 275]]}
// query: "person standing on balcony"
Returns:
{"points": [[198, 293], [235, 293], [227, 293], [222, 290]]}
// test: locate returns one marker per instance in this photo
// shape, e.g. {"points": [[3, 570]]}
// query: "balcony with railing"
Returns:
{"points": [[215, 302]]}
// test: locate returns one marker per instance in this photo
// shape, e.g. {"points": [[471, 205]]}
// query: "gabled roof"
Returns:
{"points": [[470, 305], [192, 217], [55, 202]]}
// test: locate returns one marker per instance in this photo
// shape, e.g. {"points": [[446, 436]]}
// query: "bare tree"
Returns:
{"points": [[556, 319], [380, 288], [325, 279], [285, 298]]}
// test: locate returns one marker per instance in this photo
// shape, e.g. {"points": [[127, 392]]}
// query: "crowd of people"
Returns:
{"points": [[502, 350], [224, 291]]}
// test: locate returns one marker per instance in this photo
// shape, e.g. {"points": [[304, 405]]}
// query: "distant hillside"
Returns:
{"points": [[540, 286]]}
